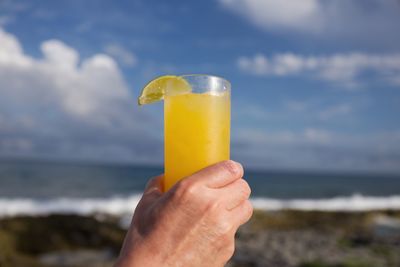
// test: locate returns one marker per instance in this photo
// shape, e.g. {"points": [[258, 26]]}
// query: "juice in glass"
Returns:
{"points": [[196, 127]]}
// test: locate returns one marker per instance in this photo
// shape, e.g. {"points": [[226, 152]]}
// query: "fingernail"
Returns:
{"points": [[236, 167]]}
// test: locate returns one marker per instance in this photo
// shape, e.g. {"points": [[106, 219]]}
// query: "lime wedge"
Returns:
{"points": [[156, 89]]}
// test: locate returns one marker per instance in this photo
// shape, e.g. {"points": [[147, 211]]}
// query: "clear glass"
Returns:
{"points": [[196, 127]]}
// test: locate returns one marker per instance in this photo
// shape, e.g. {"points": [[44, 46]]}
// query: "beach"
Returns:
{"points": [[284, 238], [68, 214]]}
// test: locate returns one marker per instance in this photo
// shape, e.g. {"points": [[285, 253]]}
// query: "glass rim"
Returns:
{"points": [[210, 76]]}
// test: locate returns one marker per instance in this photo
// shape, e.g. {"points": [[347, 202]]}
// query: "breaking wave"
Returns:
{"points": [[119, 205]]}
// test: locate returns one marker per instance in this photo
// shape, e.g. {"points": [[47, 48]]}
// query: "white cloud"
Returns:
{"points": [[4, 20], [307, 136], [43, 14], [59, 53], [84, 27], [344, 68], [121, 54], [296, 106], [62, 105], [317, 136], [318, 109], [11, 51], [251, 112], [316, 148], [333, 111], [13, 6], [277, 13], [351, 18]]}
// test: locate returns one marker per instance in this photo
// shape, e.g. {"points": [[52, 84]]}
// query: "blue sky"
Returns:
{"points": [[316, 84]]}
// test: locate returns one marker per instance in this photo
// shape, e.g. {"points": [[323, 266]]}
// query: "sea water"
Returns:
{"points": [[47, 187]]}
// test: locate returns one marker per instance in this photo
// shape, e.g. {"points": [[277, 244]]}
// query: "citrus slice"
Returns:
{"points": [[156, 89]]}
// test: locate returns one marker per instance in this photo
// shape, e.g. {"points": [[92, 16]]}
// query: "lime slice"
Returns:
{"points": [[159, 87]]}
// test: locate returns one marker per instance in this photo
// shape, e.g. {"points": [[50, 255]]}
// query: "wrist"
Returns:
{"points": [[140, 256]]}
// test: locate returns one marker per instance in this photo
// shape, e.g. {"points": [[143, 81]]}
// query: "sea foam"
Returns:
{"points": [[83, 206], [355, 202], [119, 205]]}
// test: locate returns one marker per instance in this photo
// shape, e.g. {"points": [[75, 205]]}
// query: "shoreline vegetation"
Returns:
{"points": [[286, 238]]}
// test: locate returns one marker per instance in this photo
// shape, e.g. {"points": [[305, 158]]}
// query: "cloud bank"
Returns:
{"points": [[321, 149], [343, 68], [357, 20], [123, 55], [60, 105], [278, 13]]}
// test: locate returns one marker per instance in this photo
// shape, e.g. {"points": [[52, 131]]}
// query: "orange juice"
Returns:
{"points": [[196, 133]]}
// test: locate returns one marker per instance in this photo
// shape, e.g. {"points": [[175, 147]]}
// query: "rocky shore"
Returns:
{"points": [[276, 239], [319, 239]]}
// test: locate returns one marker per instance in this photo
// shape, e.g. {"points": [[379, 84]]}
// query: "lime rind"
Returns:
{"points": [[150, 98], [156, 89]]}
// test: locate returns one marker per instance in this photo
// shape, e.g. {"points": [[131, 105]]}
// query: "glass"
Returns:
{"points": [[196, 127]]}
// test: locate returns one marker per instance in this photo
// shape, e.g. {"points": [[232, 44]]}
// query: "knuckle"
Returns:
{"points": [[195, 195], [229, 250], [184, 184], [212, 206], [184, 191], [190, 192], [248, 210], [232, 167], [227, 245], [224, 240], [226, 253], [224, 230], [245, 189]]}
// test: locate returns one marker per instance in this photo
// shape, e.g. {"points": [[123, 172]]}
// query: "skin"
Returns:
{"points": [[193, 224]]}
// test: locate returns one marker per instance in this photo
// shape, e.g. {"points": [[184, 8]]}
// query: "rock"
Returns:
{"points": [[270, 239], [80, 258], [386, 227], [293, 239], [38, 235]]}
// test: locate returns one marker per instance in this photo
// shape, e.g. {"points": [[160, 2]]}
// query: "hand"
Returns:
{"points": [[193, 224]]}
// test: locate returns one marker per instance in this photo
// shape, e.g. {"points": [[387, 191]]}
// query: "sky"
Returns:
{"points": [[315, 83]]}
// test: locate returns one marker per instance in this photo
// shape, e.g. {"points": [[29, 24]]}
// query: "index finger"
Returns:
{"points": [[155, 184], [219, 174]]}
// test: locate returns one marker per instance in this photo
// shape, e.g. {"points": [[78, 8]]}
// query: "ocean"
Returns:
{"points": [[48, 187]]}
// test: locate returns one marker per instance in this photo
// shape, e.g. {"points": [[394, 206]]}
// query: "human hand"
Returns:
{"points": [[191, 225]]}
